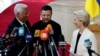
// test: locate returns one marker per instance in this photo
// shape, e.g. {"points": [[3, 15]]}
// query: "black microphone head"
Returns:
{"points": [[61, 37], [62, 40]]}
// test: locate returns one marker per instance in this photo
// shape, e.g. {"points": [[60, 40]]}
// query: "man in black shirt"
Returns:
{"points": [[46, 14]]}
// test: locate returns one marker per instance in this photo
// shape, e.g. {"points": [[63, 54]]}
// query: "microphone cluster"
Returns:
{"points": [[8, 40], [46, 35], [45, 32]]}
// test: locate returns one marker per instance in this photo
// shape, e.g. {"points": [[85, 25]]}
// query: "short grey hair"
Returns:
{"points": [[18, 7], [83, 16]]}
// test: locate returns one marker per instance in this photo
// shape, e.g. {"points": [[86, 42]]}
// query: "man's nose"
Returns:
{"points": [[45, 17]]}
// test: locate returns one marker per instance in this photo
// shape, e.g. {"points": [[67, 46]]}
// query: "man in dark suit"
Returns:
{"points": [[21, 20]]}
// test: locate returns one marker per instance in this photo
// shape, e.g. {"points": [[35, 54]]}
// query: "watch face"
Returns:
{"points": [[21, 31]]}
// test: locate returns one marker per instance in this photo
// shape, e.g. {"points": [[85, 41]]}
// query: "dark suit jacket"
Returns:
{"points": [[15, 50], [15, 23]]}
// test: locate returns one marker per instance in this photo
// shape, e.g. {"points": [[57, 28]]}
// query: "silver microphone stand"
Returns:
{"points": [[45, 52], [37, 48], [54, 45], [52, 54]]}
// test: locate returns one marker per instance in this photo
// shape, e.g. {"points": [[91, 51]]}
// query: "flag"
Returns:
{"points": [[4, 4], [92, 7]]}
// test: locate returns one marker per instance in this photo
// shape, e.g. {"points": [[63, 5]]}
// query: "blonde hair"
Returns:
{"points": [[83, 16]]}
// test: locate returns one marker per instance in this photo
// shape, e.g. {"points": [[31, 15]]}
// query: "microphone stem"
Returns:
{"points": [[0, 53], [94, 52], [90, 52], [36, 51], [37, 48], [52, 54], [63, 49], [22, 50], [27, 48], [97, 54], [55, 46], [44, 49], [1, 45]]}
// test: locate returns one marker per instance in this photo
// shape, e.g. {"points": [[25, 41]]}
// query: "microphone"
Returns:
{"points": [[62, 43], [21, 31], [28, 37], [44, 35], [48, 28], [8, 40], [14, 32], [88, 45], [7, 36], [6, 45], [53, 46], [4, 41], [45, 32]]}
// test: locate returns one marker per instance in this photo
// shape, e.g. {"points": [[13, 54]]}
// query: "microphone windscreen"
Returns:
{"points": [[88, 43], [28, 37], [44, 35], [61, 38], [21, 31], [48, 28], [14, 32]]}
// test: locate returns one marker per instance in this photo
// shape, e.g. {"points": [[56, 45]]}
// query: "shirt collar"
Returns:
{"points": [[19, 21]]}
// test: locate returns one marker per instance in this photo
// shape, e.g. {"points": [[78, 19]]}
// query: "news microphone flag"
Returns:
{"points": [[92, 7], [88, 43], [21, 31], [28, 37]]}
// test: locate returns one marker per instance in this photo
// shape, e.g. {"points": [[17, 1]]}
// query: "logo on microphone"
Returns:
{"points": [[28, 37], [88, 43], [37, 33]]}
